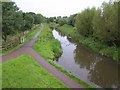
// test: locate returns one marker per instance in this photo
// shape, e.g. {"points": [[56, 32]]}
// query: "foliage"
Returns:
{"points": [[25, 72], [9, 11], [69, 31], [62, 21], [100, 24], [38, 18], [28, 21], [96, 46], [111, 31], [15, 24], [71, 19], [51, 19], [29, 36], [84, 22]]}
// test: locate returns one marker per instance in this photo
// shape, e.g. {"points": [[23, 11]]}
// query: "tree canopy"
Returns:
{"points": [[100, 24], [14, 20]]}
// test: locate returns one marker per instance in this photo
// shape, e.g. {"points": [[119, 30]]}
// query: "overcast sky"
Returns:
{"points": [[50, 8]]}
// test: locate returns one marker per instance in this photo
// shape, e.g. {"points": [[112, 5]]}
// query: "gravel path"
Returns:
{"points": [[28, 49]]}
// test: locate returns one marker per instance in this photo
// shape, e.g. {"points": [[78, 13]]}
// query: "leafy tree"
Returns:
{"points": [[71, 19], [98, 25], [111, 32], [9, 10], [28, 21], [62, 21], [51, 19], [84, 22], [105, 24], [18, 21], [40, 18]]}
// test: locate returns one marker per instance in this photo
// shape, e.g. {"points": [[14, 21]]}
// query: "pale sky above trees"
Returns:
{"points": [[50, 8]]}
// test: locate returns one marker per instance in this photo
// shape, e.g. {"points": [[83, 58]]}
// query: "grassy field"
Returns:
{"points": [[28, 38], [25, 72], [98, 47]]}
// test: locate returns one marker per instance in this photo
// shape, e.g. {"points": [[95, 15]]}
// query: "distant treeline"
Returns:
{"points": [[100, 24]]}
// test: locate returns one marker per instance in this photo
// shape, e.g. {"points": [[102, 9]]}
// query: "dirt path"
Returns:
{"points": [[28, 49]]}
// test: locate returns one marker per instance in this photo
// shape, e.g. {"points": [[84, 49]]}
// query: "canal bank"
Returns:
{"points": [[96, 46], [86, 64], [49, 48]]}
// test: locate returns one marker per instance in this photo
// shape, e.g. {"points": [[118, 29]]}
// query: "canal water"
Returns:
{"points": [[85, 64]]}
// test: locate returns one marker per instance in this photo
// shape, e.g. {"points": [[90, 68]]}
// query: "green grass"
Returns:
{"points": [[68, 30], [25, 72], [28, 38], [96, 46], [49, 48]]}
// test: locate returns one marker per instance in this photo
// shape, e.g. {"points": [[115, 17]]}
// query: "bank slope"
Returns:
{"points": [[25, 72]]}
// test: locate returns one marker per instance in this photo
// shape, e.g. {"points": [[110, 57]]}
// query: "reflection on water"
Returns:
{"points": [[102, 71], [86, 64]]}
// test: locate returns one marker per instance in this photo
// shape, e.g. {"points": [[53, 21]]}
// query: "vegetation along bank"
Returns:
{"points": [[97, 46], [95, 27]]}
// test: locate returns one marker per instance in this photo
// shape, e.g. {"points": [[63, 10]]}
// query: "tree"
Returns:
{"points": [[71, 20], [98, 25], [84, 22], [28, 21], [51, 19], [62, 21], [111, 23], [18, 21], [40, 18], [9, 10], [105, 24]]}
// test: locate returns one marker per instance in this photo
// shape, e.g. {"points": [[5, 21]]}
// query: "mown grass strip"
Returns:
{"points": [[25, 72]]}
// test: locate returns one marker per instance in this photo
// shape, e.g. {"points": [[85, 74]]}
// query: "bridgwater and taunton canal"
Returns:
{"points": [[86, 64]]}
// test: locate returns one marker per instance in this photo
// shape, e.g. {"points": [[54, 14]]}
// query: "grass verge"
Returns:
{"points": [[98, 47], [25, 72], [49, 48]]}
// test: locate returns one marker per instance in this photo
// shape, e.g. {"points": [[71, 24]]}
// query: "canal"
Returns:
{"points": [[85, 64]]}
